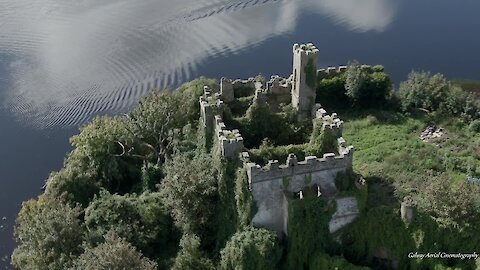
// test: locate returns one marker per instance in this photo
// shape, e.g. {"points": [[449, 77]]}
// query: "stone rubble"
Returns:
{"points": [[432, 132]]}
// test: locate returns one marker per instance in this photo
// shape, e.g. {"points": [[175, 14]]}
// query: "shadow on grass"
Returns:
{"points": [[380, 193]]}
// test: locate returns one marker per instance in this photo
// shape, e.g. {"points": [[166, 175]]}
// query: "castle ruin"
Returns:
{"points": [[273, 185]]}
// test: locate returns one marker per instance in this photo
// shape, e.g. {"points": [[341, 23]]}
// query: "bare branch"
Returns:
{"points": [[123, 149]]}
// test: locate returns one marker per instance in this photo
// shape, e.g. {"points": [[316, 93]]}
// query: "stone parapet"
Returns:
{"points": [[275, 170], [329, 71], [332, 122], [210, 105], [305, 49], [226, 90], [230, 141], [279, 86], [238, 83]]}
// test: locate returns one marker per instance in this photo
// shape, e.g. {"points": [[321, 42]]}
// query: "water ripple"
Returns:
{"points": [[77, 59]]}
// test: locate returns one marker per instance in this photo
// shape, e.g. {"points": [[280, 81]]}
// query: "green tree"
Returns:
{"points": [[262, 123], [422, 90], [366, 86], [190, 256], [151, 176], [322, 140], [114, 254], [190, 93], [331, 92], [355, 78], [189, 191], [458, 202], [100, 148], [49, 233], [141, 220], [74, 184], [251, 248], [308, 231], [155, 120]]}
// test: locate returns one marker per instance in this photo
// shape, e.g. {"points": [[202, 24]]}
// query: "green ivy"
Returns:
{"points": [[311, 74]]}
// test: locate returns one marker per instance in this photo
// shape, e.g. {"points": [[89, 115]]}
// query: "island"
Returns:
{"points": [[327, 168]]}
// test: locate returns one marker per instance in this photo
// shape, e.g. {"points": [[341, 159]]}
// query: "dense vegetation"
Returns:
{"points": [[149, 191]]}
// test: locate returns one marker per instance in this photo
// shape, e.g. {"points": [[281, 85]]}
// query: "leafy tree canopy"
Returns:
{"points": [[189, 191], [251, 248], [190, 256], [100, 148], [423, 90], [114, 254], [75, 184], [50, 234], [141, 220]]}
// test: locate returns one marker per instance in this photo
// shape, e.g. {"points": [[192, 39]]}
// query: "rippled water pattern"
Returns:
{"points": [[74, 59]]}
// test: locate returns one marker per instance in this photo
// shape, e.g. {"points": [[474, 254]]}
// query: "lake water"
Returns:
{"points": [[62, 62]]}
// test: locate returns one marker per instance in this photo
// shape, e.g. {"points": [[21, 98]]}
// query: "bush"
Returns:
{"points": [[308, 231], [358, 86], [190, 256], [268, 152], [434, 93], [331, 92], [475, 126], [251, 248], [345, 181], [280, 128], [323, 140], [114, 253], [422, 90], [141, 220]]}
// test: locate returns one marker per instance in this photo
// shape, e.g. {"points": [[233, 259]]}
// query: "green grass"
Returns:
{"points": [[387, 144], [396, 163]]}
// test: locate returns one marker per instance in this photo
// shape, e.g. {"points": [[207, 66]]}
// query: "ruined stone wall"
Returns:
{"points": [[303, 94], [230, 141], [347, 211], [210, 105], [226, 90], [330, 71], [332, 122], [238, 83], [272, 185], [279, 86], [268, 184]]}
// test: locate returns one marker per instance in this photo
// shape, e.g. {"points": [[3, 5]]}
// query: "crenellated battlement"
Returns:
{"points": [[329, 71], [332, 122], [305, 49], [305, 57], [230, 141], [279, 86], [226, 90], [210, 105], [273, 184], [238, 83], [274, 170]]}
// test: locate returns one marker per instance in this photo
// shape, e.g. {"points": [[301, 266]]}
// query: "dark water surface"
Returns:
{"points": [[62, 62]]}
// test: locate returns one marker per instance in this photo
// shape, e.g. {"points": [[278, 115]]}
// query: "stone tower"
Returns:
{"points": [[304, 78]]}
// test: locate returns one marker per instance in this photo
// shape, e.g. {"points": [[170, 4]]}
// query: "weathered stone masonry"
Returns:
{"points": [[273, 185]]}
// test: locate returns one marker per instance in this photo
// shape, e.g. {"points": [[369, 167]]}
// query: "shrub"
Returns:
{"points": [[308, 231], [474, 126], [268, 152], [251, 248]]}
